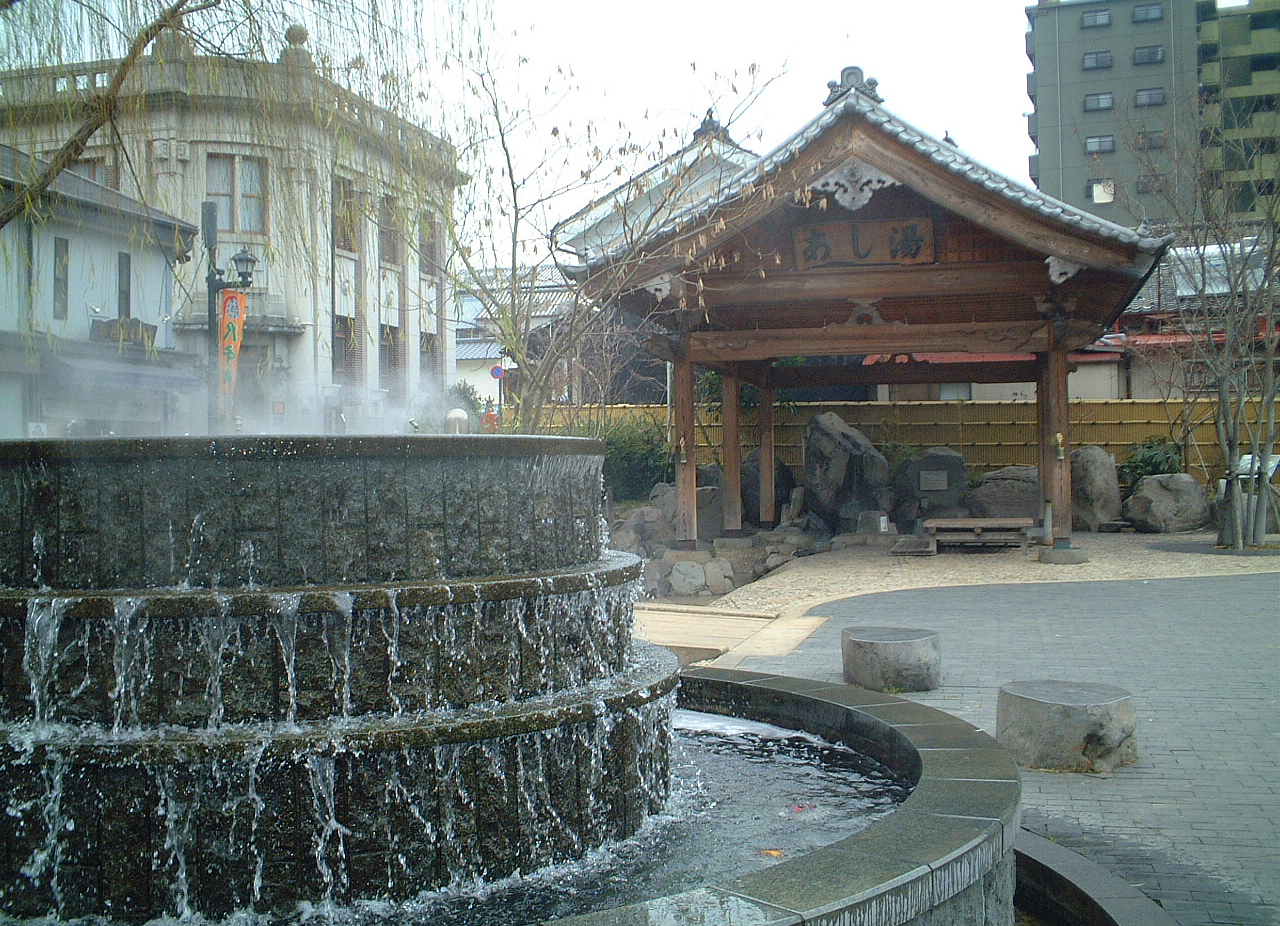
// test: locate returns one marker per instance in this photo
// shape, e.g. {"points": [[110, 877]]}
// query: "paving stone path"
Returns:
{"points": [[1195, 823]]}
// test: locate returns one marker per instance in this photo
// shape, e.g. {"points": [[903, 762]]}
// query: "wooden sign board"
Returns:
{"points": [[852, 244]]}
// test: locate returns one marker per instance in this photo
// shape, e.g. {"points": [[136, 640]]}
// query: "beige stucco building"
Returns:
{"points": [[342, 202]]}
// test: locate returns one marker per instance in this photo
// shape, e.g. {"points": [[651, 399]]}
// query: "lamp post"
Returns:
{"points": [[243, 262]]}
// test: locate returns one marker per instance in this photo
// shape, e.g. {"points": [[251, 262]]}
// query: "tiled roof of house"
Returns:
{"points": [[17, 168], [867, 106]]}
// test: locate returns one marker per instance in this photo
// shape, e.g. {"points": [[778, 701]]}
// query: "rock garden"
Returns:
{"points": [[850, 492]]}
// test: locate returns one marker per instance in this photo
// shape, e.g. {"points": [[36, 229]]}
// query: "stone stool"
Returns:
{"points": [[891, 658], [1072, 726]]}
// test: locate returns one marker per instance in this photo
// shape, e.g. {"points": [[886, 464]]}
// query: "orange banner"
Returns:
{"points": [[231, 334]]}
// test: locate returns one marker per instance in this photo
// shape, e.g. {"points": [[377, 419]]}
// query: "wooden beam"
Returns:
{"points": [[884, 374], [768, 504], [926, 282], [710, 347], [731, 452], [686, 458]]}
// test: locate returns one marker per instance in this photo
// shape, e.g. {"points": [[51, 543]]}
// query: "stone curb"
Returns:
{"points": [[1064, 886]]}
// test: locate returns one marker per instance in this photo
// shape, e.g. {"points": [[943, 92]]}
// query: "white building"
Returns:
{"points": [[87, 341], [340, 200]]}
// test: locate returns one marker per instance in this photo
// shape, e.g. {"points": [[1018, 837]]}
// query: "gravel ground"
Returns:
{"points": [[802, 583]]}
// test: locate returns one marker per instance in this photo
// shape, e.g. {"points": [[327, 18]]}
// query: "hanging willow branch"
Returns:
{"points": [[97, 111]]}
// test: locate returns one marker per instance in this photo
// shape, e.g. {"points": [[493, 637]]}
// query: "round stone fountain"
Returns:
{"points": [[243, 673]]}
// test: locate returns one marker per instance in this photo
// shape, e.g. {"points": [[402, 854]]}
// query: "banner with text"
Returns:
{"points": [[231, 326]]}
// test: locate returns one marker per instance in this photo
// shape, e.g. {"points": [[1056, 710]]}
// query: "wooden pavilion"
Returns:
{"points": [[860, 235]]}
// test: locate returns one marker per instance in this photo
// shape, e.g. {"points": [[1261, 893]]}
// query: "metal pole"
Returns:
{"points": [[209, 224]]}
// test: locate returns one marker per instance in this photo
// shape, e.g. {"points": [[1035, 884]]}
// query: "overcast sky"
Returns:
{"points": [[955, 66]]}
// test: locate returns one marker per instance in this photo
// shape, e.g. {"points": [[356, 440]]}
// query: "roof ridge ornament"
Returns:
{"points": [[710, 127], [851, 79]]}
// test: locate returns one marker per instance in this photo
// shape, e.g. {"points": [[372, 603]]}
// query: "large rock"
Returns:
{"points": [[784, 483], [1008, 492], [1065, 725], [843, 471], [1095, 489], [937, 477], [1167, 504], [710, 502]]}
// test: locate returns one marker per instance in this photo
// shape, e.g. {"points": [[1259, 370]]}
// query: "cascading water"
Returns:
{"points": [[245, 673]]}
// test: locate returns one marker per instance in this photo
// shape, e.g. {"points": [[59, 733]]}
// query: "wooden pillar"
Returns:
{"points": [[1044, 436], [768, 504], [686, 458], [1054, 428], [731, 454]]}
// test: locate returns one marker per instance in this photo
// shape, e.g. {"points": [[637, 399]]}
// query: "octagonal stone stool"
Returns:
{"points": [[1070, 726], [891, 658]]}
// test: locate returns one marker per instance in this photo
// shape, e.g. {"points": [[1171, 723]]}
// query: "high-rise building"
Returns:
{"points": [[1239, 53], [1137, 100]]}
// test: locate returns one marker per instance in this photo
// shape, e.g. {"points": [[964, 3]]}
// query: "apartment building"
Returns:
{"points": [[1133, 100]]}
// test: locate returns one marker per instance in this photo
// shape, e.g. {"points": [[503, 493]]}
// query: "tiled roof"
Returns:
{"points": [[941, 153], [18, 168], [482, 349]]}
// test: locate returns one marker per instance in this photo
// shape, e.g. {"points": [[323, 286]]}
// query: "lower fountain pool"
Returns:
{"points": [[745, 795]]}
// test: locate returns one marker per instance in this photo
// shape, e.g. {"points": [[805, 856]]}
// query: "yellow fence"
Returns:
{"points": [[988, 434]]}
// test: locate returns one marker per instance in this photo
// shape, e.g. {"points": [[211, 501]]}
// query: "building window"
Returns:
{"points": [[1099, 144], [1148, 141], [61, 276], [1092, 19], [1148, 54], [429, 246], [1242, 197], [1148, 12], [391, 363], [1095, 102], [238, 185], [1097, 60], [124, 285], [1151, 183], [1151, 96], [99, 169], [346, 215], [430, 358], [389, 238], [1100, 190]]}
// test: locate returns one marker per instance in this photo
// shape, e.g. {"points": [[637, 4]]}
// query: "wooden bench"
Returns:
{"points": [[982, 531]]}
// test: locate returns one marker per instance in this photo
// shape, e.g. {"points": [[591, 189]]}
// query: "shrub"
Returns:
{"points": [[1150, 457], [463, 395], [636, 457], [897, 454]]}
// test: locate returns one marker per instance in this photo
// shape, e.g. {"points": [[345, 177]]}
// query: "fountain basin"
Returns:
{"points": [[291, 511], [253, 673], [943, 858], [198, 658]]}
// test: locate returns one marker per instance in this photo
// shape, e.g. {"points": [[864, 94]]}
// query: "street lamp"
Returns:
{"points": [[243, 262]]}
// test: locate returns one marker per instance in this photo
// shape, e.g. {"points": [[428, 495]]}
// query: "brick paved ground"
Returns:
{"points": [[1195, 823]]}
